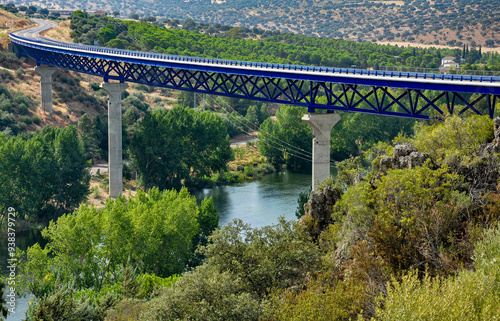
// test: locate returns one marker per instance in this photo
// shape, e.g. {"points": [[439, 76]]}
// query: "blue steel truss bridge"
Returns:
{"points": [[391, 93]]}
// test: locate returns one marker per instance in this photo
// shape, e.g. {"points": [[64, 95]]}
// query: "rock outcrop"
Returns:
{"points": [[403, 156], [494, 146], [318, 210]]}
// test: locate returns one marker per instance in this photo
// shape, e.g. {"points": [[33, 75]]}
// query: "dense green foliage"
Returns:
{"points": [[155, 233], [396, 241], [243, 265], [286, 140], [472, 295], [357, 132], [3, 306], [44, 174], [168, 147]]}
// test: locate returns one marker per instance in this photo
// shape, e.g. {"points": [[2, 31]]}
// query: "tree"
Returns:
{"points": [[356, 132], [44, 11], [3, 307], [168, 147], [87, 132], [252, 117], [134, 16], [186, 99], [415, 297], [490, 43], [116, 13], [288, 140], [51, 172], [273, 256], [243, 266], [87, 248], [106, 34]]}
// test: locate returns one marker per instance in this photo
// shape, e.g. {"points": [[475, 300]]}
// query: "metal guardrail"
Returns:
{"points": [[46, 42], [451, 71]]}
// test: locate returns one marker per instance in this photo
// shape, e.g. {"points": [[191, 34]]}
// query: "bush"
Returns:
{"points": [[142, 87], [9, 60], [26, 119], [23, 109], [20, 73], [95, 86], [5, 75]]}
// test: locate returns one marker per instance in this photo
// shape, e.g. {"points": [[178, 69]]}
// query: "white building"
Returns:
{"points": [[448, 62]]}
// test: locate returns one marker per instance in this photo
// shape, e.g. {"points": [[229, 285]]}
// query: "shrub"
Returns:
{"points": [[20, 73], [142, 87], [95, 86], [5, 75], [23, 109], [471, 295]]}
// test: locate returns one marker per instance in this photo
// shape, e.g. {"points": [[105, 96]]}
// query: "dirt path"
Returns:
{"points": [[242, 139]]}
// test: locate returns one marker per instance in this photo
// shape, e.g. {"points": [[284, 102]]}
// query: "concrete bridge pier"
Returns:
{"points": [[45, 73], [321, 125], [115, 164]]}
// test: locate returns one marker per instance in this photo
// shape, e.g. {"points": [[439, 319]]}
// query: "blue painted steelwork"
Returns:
{"points": [[402, 94]]}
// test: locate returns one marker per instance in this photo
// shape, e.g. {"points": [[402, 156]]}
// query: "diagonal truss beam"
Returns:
{"points": [[313, 94]]}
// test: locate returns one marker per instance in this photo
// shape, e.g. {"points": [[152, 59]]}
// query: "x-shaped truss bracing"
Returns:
{"points": [[313, 94]]}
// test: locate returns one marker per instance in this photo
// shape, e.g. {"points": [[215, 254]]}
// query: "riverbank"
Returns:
{"points": [[248, 165]]}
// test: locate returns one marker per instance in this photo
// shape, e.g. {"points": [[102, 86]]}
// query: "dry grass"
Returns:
{"points": [[62, 32], [99, 192], [246, 155], [421, 45]]}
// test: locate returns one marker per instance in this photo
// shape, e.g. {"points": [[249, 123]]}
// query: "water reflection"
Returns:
{"points": [[23, 241], [259, 202]]}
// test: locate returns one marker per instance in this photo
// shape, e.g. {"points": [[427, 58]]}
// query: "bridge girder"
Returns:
{"points": [[383, 97]]}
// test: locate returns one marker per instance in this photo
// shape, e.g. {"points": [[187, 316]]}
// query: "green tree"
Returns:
{"points": [[87, 132], [252, 117], [288, 140], [3, 307], [51, 172], [170, 146], [88, 248], [357, 132], [106, 34], [243, 266], [186, 99], [456, 140]]}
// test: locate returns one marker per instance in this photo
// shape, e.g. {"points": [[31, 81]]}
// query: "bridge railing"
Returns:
{"points": [[453, 71], [47, 43]]}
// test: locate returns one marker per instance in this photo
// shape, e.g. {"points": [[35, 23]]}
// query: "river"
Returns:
{"points": [[258, 203], [261, 202]]}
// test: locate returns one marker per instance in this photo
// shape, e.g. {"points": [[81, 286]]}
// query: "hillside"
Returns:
{"points": [[444, 22], [20, 106]]}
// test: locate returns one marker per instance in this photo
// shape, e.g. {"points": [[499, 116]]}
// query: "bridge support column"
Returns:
{"points": [[321, 125], [45, 73], [115, 165]]}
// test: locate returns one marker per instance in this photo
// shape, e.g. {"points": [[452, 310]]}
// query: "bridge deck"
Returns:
{"points": [[289, 84]]}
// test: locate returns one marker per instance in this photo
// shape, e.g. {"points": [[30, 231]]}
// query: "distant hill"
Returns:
{"points": [[445, 22]]}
